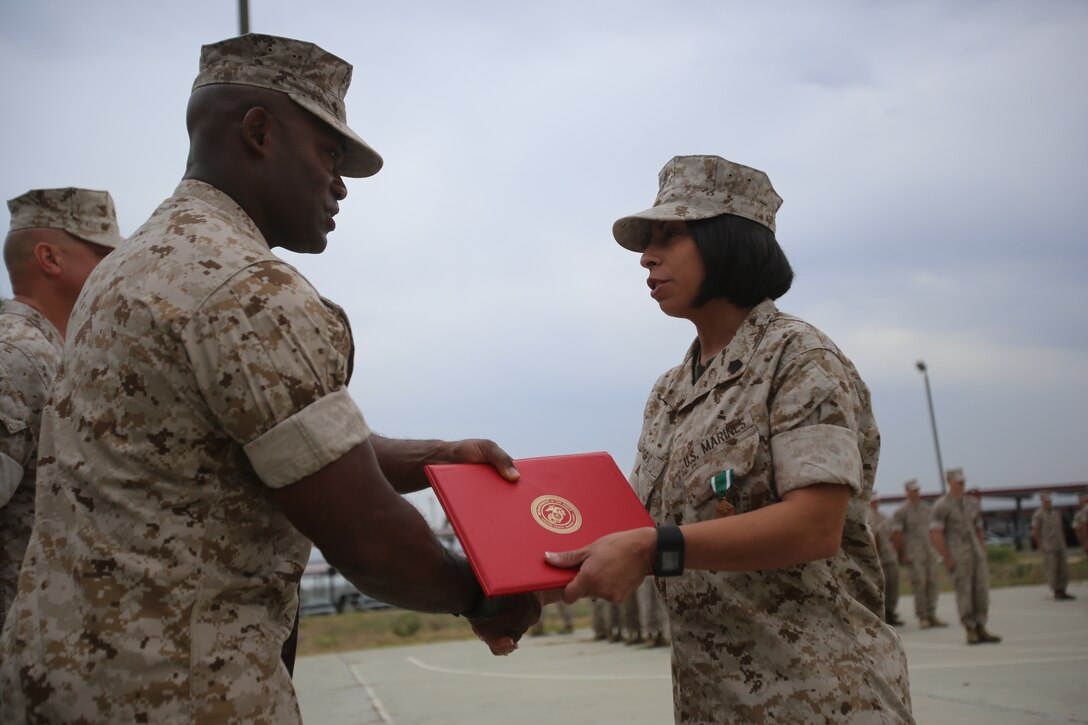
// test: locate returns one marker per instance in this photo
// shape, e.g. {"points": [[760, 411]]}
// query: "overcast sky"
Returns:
{"points": [[933, 158]]}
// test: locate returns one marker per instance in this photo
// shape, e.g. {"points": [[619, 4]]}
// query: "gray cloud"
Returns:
{"points": [[932, 159]]}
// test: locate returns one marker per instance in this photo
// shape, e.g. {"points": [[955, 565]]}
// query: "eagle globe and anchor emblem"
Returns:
{"points": [[556, 513]]}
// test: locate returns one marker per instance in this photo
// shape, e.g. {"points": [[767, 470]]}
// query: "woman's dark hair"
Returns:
{"points": [[743, 261]]}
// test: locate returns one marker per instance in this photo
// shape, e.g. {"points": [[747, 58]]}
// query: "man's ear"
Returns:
{"points": [[256, 125], [47, 256]]}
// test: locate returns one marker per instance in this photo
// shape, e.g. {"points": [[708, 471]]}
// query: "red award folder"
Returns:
{"points": [[560, 503]]}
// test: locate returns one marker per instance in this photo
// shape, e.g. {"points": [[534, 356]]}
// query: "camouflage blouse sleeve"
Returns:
{"points": [[271, 359], [898, 519], [813, 421], [938, 515], [17, 437]]}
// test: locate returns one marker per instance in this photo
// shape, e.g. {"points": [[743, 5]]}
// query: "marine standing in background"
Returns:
{"points": [[56, 238], [599, 615], [1080, 523], [889, 561], [959, 538], [910, 535], [1049, 537], [538, 629], [653, 617], [631, 620]]}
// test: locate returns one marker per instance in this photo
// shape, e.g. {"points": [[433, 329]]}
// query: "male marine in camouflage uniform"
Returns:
{"points": [[1049, 536], [201, 435], [56, 238], [910, 534], [957, 535], [1080, 523], [881, 526], [653, 617]]}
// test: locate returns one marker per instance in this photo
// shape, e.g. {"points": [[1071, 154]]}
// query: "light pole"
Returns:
{"points": [[243, 17], [933, 422]]}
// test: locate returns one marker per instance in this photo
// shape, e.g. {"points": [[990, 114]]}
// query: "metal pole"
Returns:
{"points": [[243, 17], [933, 422]]}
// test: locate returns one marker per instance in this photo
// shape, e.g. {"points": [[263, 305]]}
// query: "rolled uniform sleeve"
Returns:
{"points": [[271, 359], [814, 425]]}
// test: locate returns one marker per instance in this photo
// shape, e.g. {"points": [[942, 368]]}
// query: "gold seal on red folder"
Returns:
{"points": [[556, 514]]}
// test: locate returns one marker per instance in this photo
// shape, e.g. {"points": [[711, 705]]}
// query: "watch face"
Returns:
{"points": [[670, 561]]}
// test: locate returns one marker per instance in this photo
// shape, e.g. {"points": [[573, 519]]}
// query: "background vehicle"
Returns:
{"points": [[324, 591]]}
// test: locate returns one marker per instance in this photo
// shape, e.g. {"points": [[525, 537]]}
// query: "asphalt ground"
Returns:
{"points": [[1036, 675]]}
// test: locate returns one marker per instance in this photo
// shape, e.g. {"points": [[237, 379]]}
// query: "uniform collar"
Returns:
{"points": [[205, 192], [35, 318], [726, 366]]}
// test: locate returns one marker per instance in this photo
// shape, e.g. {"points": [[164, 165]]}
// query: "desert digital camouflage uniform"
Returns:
{"points": [[30, 349], [960, 520], [653, 618], [783, 409], [563, 609], [1080, 518], [881, 526], [912, 521], [1048, 524], [631, 619], [160, 581], [600, 619]]}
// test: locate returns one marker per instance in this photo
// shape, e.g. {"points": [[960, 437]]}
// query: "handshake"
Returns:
{"points": [[580, 506], [609, 568]]}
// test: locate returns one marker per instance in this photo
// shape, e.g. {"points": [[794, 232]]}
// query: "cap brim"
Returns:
{"points": [[103, 240], [360, 160], [633, 232]]}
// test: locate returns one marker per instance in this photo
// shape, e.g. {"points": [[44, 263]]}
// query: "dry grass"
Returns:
{"points": [[1009, 568], [394, 627]]}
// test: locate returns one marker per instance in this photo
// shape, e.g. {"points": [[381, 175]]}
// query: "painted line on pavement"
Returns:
{"points": [[995, 663], [526, 676], [379, 709]]}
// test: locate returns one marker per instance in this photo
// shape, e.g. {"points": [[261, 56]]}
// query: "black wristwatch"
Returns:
{"points": [[669, 557]]}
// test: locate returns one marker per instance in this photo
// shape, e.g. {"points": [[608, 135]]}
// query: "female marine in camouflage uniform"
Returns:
{"points": [[756, 462]]}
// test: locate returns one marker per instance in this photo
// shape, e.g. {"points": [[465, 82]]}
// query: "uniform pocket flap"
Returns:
{"points": [[726, 464]]}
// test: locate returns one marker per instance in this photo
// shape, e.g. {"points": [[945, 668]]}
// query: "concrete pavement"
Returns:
{"points": [[1037, 675]]}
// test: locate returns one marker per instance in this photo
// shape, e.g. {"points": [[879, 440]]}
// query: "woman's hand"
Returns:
{"points": [[612, 567]]}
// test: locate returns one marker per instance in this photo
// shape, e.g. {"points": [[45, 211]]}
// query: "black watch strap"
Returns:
{"points": [[669, 557]]}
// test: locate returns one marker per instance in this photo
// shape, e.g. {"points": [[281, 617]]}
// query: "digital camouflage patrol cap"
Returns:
{"points": [[311, 77], [88, 215], [955, 474], [701, 187], [911, 485]]}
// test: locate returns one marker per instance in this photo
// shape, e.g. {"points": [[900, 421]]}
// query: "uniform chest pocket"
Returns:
{"points": [[10, 424], [650, 467], [727, 478]]}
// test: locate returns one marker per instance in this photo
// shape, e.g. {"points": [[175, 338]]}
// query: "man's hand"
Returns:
{"points": [[950, 564], [502, 631], [612, 567], [402, 461], [479, 450]]}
